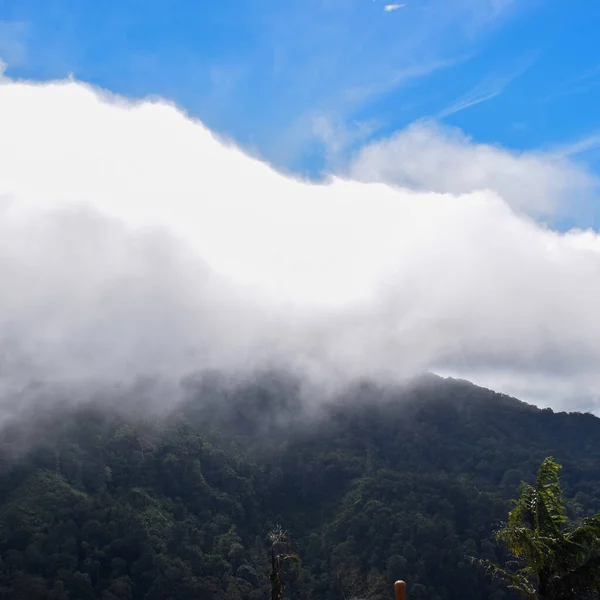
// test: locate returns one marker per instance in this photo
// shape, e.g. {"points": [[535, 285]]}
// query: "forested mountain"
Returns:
{"points": [[377, 483]]}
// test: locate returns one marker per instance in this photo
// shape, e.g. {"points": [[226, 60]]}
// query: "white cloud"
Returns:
{"points": [[132, 240], [392, 7], [429, 157]]}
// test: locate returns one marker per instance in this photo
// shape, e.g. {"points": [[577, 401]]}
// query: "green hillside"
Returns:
{"points": [[374, 485]]}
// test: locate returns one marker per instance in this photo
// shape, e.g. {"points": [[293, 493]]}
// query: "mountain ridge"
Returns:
{"points": [[380, 482]]}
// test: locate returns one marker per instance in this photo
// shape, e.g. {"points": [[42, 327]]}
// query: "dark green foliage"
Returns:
{"points": [[380, 484], [557, 562]]}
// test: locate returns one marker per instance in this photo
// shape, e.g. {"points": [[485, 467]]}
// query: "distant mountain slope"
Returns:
{"points": [[375, 484]]}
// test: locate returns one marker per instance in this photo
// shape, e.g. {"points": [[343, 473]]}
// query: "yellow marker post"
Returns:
{"points": [[400, 590]]}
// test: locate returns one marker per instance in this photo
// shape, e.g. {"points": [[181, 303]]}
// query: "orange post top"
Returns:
{"points": [[400, 590]]}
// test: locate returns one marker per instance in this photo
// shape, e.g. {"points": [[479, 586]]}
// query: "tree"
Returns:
{"points": [[556, 561], [280, 554]]}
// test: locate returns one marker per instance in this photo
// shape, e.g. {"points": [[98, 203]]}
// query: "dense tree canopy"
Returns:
{"points": [[379, 484]]}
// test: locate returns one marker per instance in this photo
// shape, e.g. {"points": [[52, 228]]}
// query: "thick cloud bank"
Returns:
{"points": [[134, 242]]}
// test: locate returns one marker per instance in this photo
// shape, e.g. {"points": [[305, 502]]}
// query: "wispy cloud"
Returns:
{"points": [[481, 93], [340, 59], [488, 89], [392, 7], [334, 128], [582, 83], [13, 42], [589, 142], [499, 6], [396, 78]]}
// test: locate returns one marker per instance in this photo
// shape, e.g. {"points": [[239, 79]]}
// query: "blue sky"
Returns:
{"points": [[303, 84]]}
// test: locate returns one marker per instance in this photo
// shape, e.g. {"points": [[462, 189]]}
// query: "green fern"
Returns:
{"points": [[555, 561]]}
